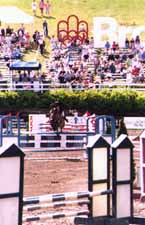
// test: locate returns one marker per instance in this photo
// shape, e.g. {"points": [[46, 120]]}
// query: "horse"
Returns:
{"points": [[57, 117]]}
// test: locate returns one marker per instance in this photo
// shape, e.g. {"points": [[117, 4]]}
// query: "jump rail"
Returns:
{"points": [[56, 204], [63, 196], [55, 216], [53, 141]]}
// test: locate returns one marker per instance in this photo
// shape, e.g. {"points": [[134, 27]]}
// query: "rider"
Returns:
{"points": [[57, 115]]}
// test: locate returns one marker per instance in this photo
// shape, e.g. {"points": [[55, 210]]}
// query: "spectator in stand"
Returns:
{"points": [[36, 37], [127, 43], [137, 39], [96, 62], [114, 47], [41, 44], [112, 68], [85, 52], [14, 38], [143, 56], [137, 42], [8, 40], [21, 30], [68, 75], [135, 70], [9, 30], [3, 33], [47, 8], [107, 46], [34, 7], [53, 42], [27, 39], [101, 74], [41, 7], [16, 54], [91, 42], [61, 76], [111, 55], [132, 43]]}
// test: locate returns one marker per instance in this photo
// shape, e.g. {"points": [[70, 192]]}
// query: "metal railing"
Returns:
{"points": [[41, 87]]}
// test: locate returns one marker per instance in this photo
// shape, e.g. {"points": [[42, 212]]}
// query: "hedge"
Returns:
{"points": [[115, 102]]}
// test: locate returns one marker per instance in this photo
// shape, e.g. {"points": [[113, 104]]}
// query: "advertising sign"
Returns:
{"points": [[134, 122]]}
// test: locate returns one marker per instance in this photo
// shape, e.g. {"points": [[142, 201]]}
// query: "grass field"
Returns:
{"points": [[126, 12]]}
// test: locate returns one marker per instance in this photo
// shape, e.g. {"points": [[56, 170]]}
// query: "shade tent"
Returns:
{"points": [[20, 65], [13, 15]]}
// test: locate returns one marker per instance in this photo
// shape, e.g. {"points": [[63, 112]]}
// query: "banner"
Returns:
{"points": [[134, 122], [39, 123]]}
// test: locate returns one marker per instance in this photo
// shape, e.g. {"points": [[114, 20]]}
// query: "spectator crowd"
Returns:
{"points": [[75, 63], [83, 64]]}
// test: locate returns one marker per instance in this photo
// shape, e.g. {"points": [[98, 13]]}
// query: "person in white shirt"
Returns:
{"points": [[34, 7]]}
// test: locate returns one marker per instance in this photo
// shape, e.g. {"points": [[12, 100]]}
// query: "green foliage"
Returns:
{"points": [[28, 99], [115, 103]]}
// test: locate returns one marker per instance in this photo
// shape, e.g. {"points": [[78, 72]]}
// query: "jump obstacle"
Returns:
{"points": [[102, 203], [110, 185], [63, 196], [59, 200], [53, 141]]}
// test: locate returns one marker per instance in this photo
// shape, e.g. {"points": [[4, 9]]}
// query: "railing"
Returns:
{"points": [[53, 141], [41, 87]]}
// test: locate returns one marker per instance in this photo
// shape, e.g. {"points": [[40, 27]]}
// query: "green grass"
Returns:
{"points": [[126, 12]]}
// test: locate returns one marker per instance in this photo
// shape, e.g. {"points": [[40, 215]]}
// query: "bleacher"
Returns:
{"points": [[74, 55], [4, 72]]}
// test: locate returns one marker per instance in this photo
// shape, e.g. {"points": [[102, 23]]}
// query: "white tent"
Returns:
{"points": [[13, 15]]}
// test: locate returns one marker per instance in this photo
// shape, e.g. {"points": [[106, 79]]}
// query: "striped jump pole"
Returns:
{"points": [[55, 216], [64, 196], [55, 205]]}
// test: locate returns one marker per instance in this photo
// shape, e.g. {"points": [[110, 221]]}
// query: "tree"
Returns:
{"points": [[122, 128]]}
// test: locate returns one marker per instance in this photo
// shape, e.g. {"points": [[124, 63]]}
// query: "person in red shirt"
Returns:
{"points": [[47, 8], [135, 71], [41, 6]]}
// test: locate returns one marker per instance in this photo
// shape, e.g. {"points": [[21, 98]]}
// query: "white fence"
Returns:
{"points": [[53, 141], [39, 86]]}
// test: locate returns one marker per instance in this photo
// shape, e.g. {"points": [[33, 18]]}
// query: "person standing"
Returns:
{"points": [[47, 8], [41, 44], [45, 28], [41, 6], [34, 7]]}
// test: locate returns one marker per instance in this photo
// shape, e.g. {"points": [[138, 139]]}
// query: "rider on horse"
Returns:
{"points": [[57, 116]]}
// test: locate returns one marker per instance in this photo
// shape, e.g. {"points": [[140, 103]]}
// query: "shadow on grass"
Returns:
{"points": [[45, 17], [46, 54], [49, 17], [39, 17]]}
